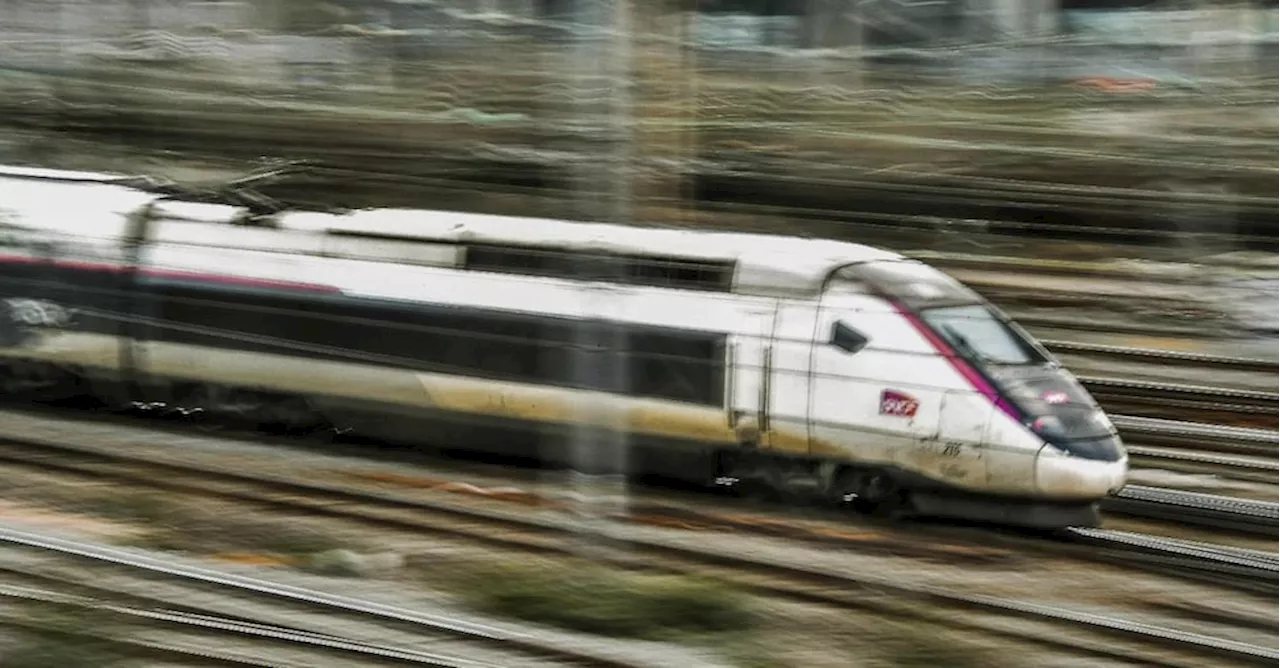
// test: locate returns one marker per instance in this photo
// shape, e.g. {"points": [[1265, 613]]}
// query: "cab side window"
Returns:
{"points": [[847, 338]]}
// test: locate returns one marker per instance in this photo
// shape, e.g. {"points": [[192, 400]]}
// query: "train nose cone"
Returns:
{"points": [[1064, 477]]}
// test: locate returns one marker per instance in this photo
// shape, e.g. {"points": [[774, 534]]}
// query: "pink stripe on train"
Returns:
{"points": [[958, 363]]}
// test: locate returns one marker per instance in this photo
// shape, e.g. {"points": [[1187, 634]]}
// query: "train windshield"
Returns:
{"points": [[951, 309], [975, 331]]}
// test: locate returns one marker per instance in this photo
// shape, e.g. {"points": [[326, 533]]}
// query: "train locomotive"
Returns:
{"points": [[809, 367]]}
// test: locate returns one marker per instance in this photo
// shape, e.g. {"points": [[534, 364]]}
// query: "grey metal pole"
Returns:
{"points": [[600, 356]]}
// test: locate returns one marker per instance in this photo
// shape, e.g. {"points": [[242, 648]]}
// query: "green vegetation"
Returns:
{"points": [[173, 523], [212, 533], [928, 646], [58, 637], [607, 602]]}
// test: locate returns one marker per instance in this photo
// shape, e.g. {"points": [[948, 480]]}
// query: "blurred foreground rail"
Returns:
{"points": [[1055, 626], [108, 456], [192, 649], [1188, 359], [1226, 406], [1208, 510], [513, 645]]}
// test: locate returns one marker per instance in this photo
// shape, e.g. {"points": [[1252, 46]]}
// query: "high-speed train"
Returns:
{"points": [[808, 367]]}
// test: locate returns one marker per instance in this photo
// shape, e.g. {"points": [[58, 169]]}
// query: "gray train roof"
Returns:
{"points": [[67, 204], [72, 203], [764, 264]]}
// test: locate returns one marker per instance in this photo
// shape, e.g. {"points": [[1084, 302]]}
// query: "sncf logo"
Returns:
{"points": [[898, 404]]}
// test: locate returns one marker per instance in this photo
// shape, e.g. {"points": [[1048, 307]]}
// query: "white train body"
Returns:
{"points": [[831, 363]]}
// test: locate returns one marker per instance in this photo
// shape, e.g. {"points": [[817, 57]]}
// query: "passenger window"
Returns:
{"points": [[847, 338]]}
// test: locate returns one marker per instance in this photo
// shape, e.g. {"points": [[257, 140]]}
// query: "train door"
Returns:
{"points": [[788, 375], [748, 388]]}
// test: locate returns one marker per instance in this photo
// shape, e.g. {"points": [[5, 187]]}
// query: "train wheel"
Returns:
{"points": [[870, 492], [36, 381], [288, 415]]}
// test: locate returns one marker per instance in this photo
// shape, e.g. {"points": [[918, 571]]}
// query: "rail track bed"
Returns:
{"points": [[1194, 360], [1056, 627], [1199, 510], [1155, 432], [1158, 366], [105, 458], [1229, 407], [1233, 467], [164, 591], [1226, 513]]}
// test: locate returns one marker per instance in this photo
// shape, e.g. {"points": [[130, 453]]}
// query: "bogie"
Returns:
{"points": [[40, 381]]}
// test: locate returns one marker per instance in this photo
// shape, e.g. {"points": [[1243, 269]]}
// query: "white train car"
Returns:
{"points": [[807, 366]]}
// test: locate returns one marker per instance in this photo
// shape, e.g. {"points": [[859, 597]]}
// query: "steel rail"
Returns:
{"points": [[1249, 570], [1158, 355], [1217, 572], [1239, 555], [1219, 647], [1158, 399], [1205, 458], [1131, 500], [234, 627], [311, 498], [188, 656], [1266, 401], [1037, 320], [1167, 637], [1241, 468], [380, 611], [1208, 510], [1134, 500], [1197, 435]]}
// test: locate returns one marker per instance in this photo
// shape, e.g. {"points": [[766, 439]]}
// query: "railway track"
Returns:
{"points": [[1156, 355], [1251, 469], [1227, 513], [1221, 565], [983, 613], [1155, 432], [1229, 407], [786, 579], [1154, 383], [529, 534], [503, 645], [1203, 301], [220, 630], [1057, 320], [1216, 512]]}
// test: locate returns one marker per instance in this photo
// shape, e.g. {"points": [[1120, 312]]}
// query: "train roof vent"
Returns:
{"points": [[656, 271]]}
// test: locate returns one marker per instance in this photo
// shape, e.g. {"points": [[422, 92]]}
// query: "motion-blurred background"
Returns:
{"points": [[1103, 170], [984, 126]]}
